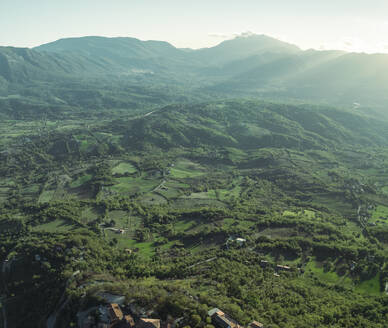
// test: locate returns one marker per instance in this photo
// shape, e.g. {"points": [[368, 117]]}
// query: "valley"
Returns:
{"points": [[167, 191], [171, 185]]}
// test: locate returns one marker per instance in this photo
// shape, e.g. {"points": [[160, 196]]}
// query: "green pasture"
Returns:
{"points": [[80, 181], [210, 194], [46, 196], [280, 232], [330, 277], [227, 194], [123, 220], [58, 225], [123, 168], [153, 199], [184, 225], [290, 214], [237, 224], [380, 215], [196, 202], [131, 185], [371, 286], [146, 249], [173, 189], [333, 202], [31, 189], [184, 168], [88, 214]]}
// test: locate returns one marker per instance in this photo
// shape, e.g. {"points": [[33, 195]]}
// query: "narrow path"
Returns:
{"points": [[202, 262], [81, 316], [159, 186], [115, 229], [362, 223], [148, 114], [161, 195], [3, 303]]}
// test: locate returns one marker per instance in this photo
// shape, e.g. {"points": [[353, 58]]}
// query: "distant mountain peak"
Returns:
{"points": [[251, 35], [243, 46], [260, 40]]}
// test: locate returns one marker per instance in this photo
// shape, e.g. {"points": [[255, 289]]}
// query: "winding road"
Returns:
{"points": [[148, 114], [4, 267], [4, 314], [51, 320]]}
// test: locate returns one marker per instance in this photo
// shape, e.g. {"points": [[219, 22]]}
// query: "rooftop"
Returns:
{"points": [[149, 323], [115, 312], [256, 324], [224, 320]]}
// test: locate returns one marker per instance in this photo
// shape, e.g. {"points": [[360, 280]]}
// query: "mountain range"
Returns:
{"points": [[253, 66]]}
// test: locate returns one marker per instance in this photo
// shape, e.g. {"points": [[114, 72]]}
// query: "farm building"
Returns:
{"points": [[264, 263], [283, 267], [148, 323]]}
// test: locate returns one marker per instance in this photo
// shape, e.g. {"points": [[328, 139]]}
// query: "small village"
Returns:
{"points": [[114, 316]]}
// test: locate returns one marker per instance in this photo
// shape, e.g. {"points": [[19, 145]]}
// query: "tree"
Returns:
{"points": [[195, 320]]}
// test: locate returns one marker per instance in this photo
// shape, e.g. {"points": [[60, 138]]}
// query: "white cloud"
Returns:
{"points": [[352, 44], [243, 34], [219, 35]]}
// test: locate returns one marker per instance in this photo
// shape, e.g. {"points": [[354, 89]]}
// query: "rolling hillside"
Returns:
{"points": [[250, 124]]}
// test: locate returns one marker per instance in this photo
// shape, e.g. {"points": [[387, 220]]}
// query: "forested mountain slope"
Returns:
{"points": [[249, 124], [251, 65]]}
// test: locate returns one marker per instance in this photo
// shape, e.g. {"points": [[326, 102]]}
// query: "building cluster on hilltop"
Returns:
{"points": [[112, 316]]}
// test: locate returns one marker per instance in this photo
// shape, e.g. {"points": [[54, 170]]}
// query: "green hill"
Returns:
{"points": [[249, 124]]}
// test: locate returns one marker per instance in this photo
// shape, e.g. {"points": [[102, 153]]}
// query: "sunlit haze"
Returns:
{"points": [[352, 25]]}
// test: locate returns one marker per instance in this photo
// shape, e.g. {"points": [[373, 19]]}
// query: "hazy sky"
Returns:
{"points": [[354, 25]]}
